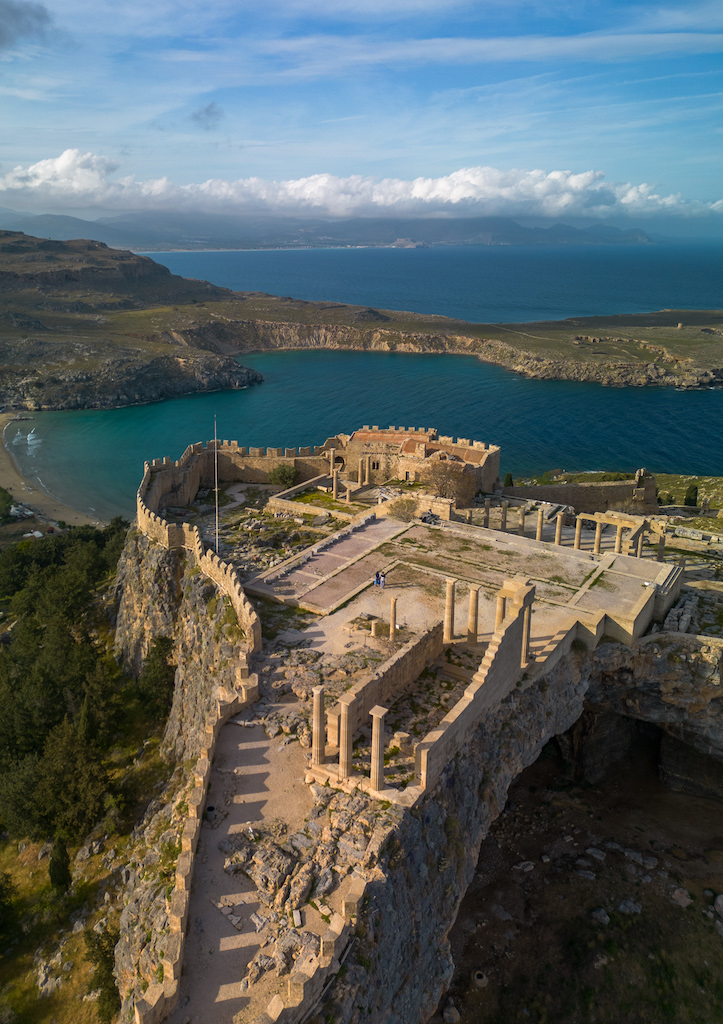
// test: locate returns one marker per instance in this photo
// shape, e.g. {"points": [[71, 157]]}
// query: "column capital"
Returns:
{"points": [[378, 712]]}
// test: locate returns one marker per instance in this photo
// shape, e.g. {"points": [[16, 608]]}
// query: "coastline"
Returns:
{"points": [[45, 506]]}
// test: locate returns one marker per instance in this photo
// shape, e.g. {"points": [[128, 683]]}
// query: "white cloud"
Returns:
{"points": [[86, 180]]}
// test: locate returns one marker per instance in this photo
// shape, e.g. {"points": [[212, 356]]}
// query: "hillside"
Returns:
{"points": [[85, 326]]}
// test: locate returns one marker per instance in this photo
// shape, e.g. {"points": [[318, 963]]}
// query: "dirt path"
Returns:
{"points": [[254, 778]]}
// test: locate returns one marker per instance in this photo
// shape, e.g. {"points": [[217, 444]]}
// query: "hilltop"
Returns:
{"points": [[86, 326]]}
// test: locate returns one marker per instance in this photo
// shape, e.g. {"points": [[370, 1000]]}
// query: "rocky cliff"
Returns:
{"points": [[237, 336]]}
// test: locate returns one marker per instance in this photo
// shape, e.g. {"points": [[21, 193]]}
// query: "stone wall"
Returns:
{"points": [[393, 678], [594, 497]]}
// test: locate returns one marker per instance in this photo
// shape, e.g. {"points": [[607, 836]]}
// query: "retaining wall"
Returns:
{"points": [[592, 497]]}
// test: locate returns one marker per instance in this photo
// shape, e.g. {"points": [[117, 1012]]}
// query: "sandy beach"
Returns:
{"points": [[46, 507]]}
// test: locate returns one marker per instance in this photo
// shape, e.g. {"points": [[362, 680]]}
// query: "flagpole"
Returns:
{"points": [[215, 468]]}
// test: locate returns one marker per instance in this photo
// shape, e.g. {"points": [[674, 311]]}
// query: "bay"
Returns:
{"points": [[93, 460]]}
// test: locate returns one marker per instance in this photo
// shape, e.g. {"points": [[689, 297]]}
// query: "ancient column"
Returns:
{"points": [[503, 524], [334, 484], [377, 772], [660, 557], [501, 611], [558, 528], [487, 513], [360, 477], [521, 528], [639, 551], [367, 469], [345, 737], [578, 531], [375, 627], [526, 623], [618, 540], [393, 619], [318, 740], [540, 520], [332, 459], [347, 496], [598, 536], [473, 615], [449, 612]]}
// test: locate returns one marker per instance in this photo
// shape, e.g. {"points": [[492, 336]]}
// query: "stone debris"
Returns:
{"points": [[600, 915], [682, 897], [681, 617], [628, 906]]}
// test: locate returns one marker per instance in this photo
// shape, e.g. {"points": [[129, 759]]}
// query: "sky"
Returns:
{"points": [[562, 109]]}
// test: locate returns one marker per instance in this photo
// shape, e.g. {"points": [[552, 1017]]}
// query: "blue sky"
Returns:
{"points": [[598, 108]]}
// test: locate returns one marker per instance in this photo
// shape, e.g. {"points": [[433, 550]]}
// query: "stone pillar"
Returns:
{"points": [[501, 611], [473, 615], [639, 550], [367, 469], [318, 741], [558, 528], [487, 513], [526, 623], [334, 484], [598, 536], [540, 521], [347, 496], [375, 627], [332, 459], [449, 612], [360, 477], [521, 528], [393, 619], [377, 766], [660, 557], [578, 531], [503, 524], [345, 738], [618, 540]]}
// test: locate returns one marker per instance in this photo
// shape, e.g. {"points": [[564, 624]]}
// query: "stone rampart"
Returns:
{"points": [[396, 676], [161, 998]]}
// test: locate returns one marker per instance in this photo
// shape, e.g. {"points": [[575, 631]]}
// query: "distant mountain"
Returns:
{"points": [[161, 231]]}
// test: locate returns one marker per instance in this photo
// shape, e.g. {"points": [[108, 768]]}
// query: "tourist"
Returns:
{"points": [[382, 580], [377, 581]]}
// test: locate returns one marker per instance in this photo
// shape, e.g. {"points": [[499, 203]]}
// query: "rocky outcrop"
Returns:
{"points": [[227, 335], [123, 378]]}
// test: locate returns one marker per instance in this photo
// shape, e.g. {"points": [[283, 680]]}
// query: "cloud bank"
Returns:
{"points": [[76, 180]]}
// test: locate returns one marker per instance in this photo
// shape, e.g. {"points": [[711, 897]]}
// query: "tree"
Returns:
{"points": [[72, 783], [444, 475], [691, 496], [404, 509], [100, 950], [59, 866], [509, 482], [157, 678], [284, 474]]}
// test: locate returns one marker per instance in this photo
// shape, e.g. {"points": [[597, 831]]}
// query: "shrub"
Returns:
{"points": [[285, 474], [691, 496], [100, 950], [509, 482], [59, 866]]}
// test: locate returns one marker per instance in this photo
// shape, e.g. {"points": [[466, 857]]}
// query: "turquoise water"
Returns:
{"points": [[94, 460], [484, 284]]}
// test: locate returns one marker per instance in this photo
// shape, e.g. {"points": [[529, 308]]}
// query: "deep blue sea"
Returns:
{"points": [[93, 460]]}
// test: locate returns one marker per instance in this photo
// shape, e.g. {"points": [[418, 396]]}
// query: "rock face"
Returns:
{"points": [[254, 335], [161, 593]]}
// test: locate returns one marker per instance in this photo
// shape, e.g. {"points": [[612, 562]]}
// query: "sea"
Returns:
{"points": [[93, 460]]}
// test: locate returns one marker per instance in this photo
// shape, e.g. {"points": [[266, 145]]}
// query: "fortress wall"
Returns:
{"points": [[161, 998], [442, 507], [183, 477], [592, 497], [395, 677]]}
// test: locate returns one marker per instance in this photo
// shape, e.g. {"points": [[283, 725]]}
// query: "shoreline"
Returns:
{"points": [[44, 505]]}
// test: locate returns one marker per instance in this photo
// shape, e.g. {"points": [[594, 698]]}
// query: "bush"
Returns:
{"points": [[509, 482], [59, 866], [157, 678], [404, 509], [285, 474], [691, 496]]}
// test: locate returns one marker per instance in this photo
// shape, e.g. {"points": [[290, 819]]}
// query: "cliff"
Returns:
{"points": [[238, 336]]}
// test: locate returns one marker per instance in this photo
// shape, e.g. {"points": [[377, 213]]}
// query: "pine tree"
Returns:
{"points": [[59, 866]]}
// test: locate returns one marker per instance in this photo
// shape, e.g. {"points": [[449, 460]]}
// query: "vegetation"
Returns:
{"points": [[285, 474], [99, 950], [156, 680], [691, 496], [59, 866], [508, 482]]}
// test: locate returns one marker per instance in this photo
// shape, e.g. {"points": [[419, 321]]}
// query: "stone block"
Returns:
{"points": [[179, 911], [184, 871], [173, 957]]}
